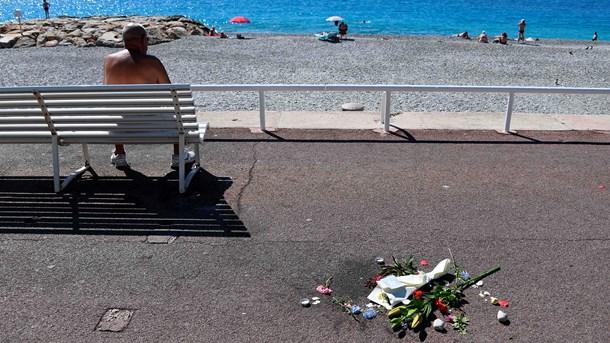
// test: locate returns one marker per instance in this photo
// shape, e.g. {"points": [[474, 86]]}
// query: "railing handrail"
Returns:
{"points": [[387, 93], [397, 88]]}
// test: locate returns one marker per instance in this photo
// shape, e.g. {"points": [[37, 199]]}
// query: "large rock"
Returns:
{"points": [[25, 42], [50, 35], [177, 32], [7, 41], [110, 39]]}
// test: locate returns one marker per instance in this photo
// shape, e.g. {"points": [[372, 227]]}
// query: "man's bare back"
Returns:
{"points": [[133, 67]]}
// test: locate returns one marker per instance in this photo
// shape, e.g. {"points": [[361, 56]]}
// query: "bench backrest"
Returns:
{"points": [[96, 114]]}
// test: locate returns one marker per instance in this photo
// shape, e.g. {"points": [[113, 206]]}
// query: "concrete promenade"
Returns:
{"points": [[409, 121], [275, 214]]}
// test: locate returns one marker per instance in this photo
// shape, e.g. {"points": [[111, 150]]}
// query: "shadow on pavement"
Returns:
{"points": [[134, 205], [403, 136]]}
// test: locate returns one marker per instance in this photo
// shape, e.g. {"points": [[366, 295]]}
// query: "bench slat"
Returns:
{"points": [[98, 111], [97, 126], [93, 95], [189, 118], [86, 103]]}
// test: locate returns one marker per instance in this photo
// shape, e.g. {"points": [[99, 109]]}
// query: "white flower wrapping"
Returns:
{"points": [[399, 288]]}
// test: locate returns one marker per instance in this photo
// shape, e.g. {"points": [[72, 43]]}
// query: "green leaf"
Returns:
{"points": [[411, 312], [396, 320]]}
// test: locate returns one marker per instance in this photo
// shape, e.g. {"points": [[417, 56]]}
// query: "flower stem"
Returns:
{"points": [[478, 278]]}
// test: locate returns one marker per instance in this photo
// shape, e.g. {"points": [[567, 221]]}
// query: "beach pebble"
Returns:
{"points": [[502, 317], [494, 301], [352, 106], [480, 283], [438, 324], [305, 302]]}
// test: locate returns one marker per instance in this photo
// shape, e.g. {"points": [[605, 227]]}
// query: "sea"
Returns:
{"points": [[556, 19]]}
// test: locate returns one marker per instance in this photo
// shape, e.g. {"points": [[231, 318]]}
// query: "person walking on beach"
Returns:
{"points": [[521, 37], [134, 65], [595, 36], [45, 6]]}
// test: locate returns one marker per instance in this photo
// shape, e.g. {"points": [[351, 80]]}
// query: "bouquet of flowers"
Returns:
{"points": [[413, 297]]}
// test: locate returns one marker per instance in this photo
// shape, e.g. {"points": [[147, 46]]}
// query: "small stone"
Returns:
{"points": [[379, 260], [480, 283], [115, 320], [494, 301], [502, 317], [438, 325], [352, 106]]}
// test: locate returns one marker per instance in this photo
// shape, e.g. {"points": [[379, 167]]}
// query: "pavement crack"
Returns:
{"points": [[248, 179]]}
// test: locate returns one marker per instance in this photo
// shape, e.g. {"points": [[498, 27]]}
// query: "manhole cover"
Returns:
{"points": [[115, 320]]}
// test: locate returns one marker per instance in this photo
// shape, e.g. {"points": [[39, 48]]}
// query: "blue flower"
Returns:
{"points": [[369, 314], [356, 309], [465, 275]]}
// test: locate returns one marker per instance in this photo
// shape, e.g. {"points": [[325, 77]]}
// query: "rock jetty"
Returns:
{"points": [[94, 31]]}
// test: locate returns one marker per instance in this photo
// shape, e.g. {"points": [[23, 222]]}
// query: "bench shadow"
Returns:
{"points": [[133, 205]]}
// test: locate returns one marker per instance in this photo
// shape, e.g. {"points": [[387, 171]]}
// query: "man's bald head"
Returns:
{"points": [[133, 34]]}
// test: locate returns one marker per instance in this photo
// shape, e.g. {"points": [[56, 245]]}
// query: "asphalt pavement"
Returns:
{"points": [[275, 214]]}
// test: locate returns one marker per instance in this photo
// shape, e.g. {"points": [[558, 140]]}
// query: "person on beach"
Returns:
{"points": [[342, 30], [521, 37], [502, 38], [483, 38], [463, 35], [595, 36], [134, 65], [45, 6]]}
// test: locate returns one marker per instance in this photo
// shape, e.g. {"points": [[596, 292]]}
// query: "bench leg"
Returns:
{"points": [[55, 153], [57, 184], [181, 155]]}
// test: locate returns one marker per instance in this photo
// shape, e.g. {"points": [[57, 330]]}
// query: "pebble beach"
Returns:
{"points": [[361, 59]]}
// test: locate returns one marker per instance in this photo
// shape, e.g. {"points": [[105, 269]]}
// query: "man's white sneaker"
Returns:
{"points": [[119, 160], [189, 157]]}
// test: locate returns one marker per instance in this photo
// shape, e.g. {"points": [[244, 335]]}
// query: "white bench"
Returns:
{"points": [[113, 114]]}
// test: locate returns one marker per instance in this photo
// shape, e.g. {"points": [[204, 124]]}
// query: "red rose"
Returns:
{"points": [[441, 307], [418, 294]]}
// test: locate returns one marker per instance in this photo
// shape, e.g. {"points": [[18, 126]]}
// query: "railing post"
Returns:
{"points": [[261, 104], [509, 112], [386, 110], [382, 112]]}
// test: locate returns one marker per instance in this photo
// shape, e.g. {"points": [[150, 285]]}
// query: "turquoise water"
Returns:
{"points": [[545, 18]]}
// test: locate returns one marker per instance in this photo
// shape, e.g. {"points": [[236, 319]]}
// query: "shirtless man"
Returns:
{"points": [[521, 38], [134, 66]]}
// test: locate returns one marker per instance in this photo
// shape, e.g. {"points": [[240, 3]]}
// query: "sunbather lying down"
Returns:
{"points": [[329, 36]]}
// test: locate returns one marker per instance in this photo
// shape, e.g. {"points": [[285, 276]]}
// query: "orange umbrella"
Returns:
{"points": [[239, 20]]}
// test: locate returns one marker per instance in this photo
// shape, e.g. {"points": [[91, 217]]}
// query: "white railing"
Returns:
{"points": [[387, 91]]}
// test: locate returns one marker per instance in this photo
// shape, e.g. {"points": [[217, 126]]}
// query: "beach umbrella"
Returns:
{"points": [[334, 18], [239, 20]]}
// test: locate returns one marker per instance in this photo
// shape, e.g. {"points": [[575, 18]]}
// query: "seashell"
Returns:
{"points": [[486, 293], [379, 260], [480, 283], [494, 301], [502, 316], [438, 324], [305, 302], [481, 295]]}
